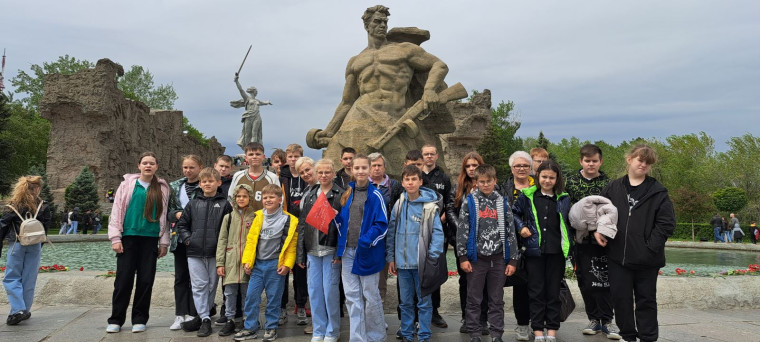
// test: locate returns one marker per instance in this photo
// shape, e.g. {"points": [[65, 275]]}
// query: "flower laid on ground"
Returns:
{"points": [[54, 268], [753, 269], [81, 268], [107, 275]]}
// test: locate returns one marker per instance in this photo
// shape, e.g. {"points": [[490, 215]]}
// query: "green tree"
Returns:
{"points": [[542, 142], [31, 84], [730, 199], [83, 192], [25, 136], [5, 145], [689, 161], [739, 163], [691, 205], [500, 140], [137, 84]]}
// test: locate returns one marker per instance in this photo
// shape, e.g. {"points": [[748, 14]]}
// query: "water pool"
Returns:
{"points": [[99, 256]]}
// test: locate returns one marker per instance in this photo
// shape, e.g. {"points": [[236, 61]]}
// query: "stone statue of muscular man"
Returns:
{"points": [[375, 94]]}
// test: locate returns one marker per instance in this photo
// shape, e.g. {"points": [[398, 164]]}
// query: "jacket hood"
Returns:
{"points": [[426, 195], [285, 171], [218, 195], [235, 191]]}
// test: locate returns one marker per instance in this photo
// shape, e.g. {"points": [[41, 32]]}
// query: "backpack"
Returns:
{"points": [[31, 230]]}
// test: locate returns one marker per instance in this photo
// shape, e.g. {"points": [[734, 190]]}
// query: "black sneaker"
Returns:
{"points": [[205, 329], [438, 321], [221, 321], [496, 339], [228, 329], [398, 334], [27, 315], [15, 318], [475, 339], [192, 325]]}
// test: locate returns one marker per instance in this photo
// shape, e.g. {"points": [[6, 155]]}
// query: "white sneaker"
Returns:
{"points": [[317, 339], [113, 328], [332, 338], [177, 323], [138, 328]]}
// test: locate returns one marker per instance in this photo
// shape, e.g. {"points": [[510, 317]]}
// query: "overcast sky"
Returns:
{"points": [[609, 70]]}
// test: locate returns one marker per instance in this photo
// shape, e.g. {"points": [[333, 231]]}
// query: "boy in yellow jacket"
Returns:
{"points": [[270, 252]]}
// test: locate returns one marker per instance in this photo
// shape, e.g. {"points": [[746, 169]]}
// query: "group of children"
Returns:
{"points": [[246, 229]]}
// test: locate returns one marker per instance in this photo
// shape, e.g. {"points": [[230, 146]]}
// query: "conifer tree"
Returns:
{"points": [[83, 192]]}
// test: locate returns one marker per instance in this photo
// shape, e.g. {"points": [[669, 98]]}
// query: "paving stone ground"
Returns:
{"points": [[87, 323]]}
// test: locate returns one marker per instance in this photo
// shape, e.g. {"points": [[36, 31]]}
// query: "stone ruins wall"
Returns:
{"points": [[471, 120], [92, 124]]}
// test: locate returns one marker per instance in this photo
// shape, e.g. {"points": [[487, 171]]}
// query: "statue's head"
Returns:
{"points": [[252, 91], [376, 20]]}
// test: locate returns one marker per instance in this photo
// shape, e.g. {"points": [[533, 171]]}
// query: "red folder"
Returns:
{"points": [[321, 214]]}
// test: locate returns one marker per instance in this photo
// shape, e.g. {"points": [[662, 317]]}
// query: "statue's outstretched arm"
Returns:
{"points": [[350, 94], [240, 88], [264, 103]]}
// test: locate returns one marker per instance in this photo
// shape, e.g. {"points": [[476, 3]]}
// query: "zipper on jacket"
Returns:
{"points": [[625, 245]]}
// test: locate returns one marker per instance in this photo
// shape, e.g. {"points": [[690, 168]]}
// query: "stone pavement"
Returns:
{"points": [[87, 323]]}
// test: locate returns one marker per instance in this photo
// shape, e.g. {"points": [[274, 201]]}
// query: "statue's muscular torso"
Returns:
{"points": [[383, 76]]}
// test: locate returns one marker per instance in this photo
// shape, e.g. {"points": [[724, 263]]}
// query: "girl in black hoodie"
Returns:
{"points": [[636, 253]]}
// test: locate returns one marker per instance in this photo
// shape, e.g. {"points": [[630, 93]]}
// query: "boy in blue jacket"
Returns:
{"points": [[487, 251], [415, 233]]}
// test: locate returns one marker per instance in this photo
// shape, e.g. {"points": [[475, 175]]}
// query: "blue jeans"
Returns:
{"points": [[64, 228], [365, 308], [323, 280], [21, 270], [73, 227], [409, 285], [718, 236], [264, 277], [729, 236]]}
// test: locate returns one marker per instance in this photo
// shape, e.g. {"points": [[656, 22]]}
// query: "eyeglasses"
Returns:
{"points": [[521, 166]]}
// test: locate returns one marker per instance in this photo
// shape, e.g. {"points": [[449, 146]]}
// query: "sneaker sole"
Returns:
{"points": [[590, 332]]}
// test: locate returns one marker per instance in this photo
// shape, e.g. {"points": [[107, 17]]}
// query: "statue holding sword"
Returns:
{"points": [[251, 118], [390, 88]]}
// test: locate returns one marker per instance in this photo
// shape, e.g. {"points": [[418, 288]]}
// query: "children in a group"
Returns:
{"points": [[198, 230], [323, 268], [541, 215], [590, 259], [487, 251], [362, 224], [23, 261], [138, 232], [256, 176], [637, 252], [270, 252], [415, 233], [182, 191], [229, 253]]}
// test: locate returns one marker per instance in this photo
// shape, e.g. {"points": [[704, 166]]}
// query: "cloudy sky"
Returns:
{"points": [[609, 70]]}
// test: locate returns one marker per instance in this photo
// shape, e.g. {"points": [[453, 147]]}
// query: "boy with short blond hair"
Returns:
{"points": [[198, 230], [487, 251], [414, 224], [256, 176], [270, 252]]}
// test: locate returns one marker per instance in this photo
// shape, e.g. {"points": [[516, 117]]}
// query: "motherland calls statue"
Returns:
{"points": [[393, 95], [251, 118]]}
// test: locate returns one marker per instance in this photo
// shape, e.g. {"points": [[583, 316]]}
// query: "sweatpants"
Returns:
{"points": [[139, 258], [183, 295], [365, 308], [597, 300], [203, 279], [487, 272], [233, 295], [521, 303], [545, 274], [639, 285]]}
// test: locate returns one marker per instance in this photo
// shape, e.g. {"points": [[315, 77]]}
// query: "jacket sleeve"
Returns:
{"points": [[514, 248], [437, 239], [379, 226], [164, 239], [45, 216], [390, 240], [184, 225], [518, 211], [116, 220], [300, 229], [174, 206], [250, 251], [290, 252], [450, 230], [221, 243], [463, 231], [664, 225]]}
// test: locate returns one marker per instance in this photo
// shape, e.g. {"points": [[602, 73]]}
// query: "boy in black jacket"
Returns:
{"points": [[198, 229]]}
